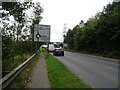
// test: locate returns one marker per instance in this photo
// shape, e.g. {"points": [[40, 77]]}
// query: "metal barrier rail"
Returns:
{"points": [[5, 81]]}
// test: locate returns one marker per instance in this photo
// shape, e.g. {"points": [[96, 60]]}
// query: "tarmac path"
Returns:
{"points": [[40, 76]]}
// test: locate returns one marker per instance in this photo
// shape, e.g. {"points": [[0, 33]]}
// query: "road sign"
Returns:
{"points": [[41, 33]]}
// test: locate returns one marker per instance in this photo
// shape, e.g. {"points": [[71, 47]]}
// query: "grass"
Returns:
{"points": [[9, 65], [60, 76], [70, 50], [96, 54], [24, 77]]}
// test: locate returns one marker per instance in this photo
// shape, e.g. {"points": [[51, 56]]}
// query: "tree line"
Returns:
{"points": [[17, 30], [100, 34], [17, 34]]}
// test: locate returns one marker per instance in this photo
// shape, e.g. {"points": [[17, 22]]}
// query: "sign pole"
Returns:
{"points": [[36, 47], [48, 50]]}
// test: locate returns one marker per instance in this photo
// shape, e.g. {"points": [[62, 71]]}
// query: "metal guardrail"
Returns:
{"points": [[5, 81]]}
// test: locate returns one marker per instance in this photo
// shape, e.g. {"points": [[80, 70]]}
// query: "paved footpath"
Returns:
{"points": [[40, 76]]}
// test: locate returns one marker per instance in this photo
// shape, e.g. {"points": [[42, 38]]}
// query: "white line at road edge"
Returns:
{"points": [[110, 59]]}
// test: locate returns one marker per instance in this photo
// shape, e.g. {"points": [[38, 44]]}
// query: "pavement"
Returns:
{"points": [[97, 72], [40, 76]]}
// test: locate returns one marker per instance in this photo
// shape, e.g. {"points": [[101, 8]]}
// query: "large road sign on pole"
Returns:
{"points": [[41, 33]]}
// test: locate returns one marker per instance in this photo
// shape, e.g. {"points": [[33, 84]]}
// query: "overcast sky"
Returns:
{"points": [[58, 12]]}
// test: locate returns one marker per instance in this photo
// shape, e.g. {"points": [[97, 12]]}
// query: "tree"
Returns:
{"points": [[17, 10], [18, 29], [100, 34], [36, 17]]}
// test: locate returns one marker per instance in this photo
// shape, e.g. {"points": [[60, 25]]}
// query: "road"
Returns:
{"points": [[97, 72]]}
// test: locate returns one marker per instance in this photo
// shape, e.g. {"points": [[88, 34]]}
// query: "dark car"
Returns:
{"points": [[58, 51]]}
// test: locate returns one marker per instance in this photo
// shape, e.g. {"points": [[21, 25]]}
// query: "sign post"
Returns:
{"points": [[42, 34]]}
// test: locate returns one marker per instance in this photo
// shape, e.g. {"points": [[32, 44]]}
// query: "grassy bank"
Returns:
{"points": [[24, 77], [60, 76], [96, 54], [9, 65]]}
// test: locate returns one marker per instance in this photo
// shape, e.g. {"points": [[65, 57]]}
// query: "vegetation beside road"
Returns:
{"points": [[99, 35], [90, 53], [60, 76], [9, 65], [17, 35], [24, 77]]}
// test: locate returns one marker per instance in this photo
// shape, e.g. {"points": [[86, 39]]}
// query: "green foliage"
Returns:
{"points": [[37, 17], [21, 19], [6, 48], [100, 34], [15, 41], [10, 48], [25, 76], [16, 9], [12, 63]]}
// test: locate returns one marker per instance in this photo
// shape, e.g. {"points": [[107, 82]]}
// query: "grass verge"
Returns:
{"points": [[24, 77], [60, 76], [96, 54], [9, 65]]}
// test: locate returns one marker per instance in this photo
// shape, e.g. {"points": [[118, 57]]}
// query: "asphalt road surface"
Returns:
{"points": [[97, 72]]}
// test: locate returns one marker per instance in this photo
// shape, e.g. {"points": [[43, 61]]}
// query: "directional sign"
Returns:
{"points": [[41, 33]]}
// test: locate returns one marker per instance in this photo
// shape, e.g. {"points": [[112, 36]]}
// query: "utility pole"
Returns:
{"points": [[64, 30]]}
